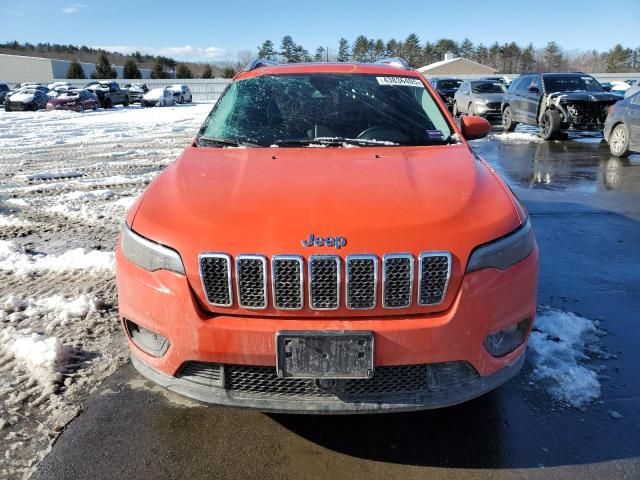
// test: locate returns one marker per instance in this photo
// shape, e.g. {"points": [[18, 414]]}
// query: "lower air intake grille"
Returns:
{"points": [[361, 273], [435, 269], [397, 280], [287, 282], [216, 278], [324, 282], [251, 274], [386, 381]]}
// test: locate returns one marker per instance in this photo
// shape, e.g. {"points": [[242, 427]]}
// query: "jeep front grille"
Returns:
{"points": [[433, 277], [323, 285], [251, 278], [397, 280], [287, 282], [324, 282], [215, 271]]}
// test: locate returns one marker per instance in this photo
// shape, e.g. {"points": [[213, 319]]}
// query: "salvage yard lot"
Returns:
{"points": [[65, 182]]}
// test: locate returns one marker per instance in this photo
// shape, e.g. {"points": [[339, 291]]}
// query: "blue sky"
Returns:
{"points": [[191, 30]]}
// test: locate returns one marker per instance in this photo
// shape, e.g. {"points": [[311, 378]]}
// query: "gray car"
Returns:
{"points": [[622, 127], [479, 97]]}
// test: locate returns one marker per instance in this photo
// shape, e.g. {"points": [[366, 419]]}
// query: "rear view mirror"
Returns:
{"points": [[474, 128], [534, 90]]}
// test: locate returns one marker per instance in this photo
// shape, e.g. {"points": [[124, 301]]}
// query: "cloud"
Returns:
{"points": [[74, 8], [187, 52]]}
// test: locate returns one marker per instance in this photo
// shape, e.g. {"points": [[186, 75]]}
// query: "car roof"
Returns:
{"points": [[320, 67]]}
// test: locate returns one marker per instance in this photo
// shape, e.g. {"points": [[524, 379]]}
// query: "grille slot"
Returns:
{"points": [[324, 282], [397, 280], [433, 277], [215, 271], [208, 374], [287, 282], [251, 278], [361, 274]]}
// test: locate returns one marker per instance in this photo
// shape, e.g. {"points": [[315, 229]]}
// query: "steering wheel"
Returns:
{"points": [[384, 133]]}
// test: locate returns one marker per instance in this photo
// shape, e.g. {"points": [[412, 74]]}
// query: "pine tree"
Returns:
{"points": [[527, 59], [343, 50], [131, 70], [75, 70], [481, 54], [288, 49], [378, 50], [266, 50], [207, 72], [360, 50], [553, 57], [446, 45], [619, 59], [103, 67], [319, 56], [228, 72], [466, 48], [183, 71], [157, 72], [412, 52], [392, 48]]}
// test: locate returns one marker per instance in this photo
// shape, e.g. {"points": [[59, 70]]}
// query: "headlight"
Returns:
{"points": [[149, 255], [505, 252]]}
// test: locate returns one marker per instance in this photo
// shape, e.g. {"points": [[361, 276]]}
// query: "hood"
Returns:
{"points": [[63, 99], [23, 97], [584, 96], [382, 200], [153, 95], [490, 97]]}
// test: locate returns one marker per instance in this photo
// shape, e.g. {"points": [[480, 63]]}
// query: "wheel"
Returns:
{"points": [[190, 98], [619, 141], [181, 99], [34, 107], [471, 109], [455, 111], [125, 102], [507, 120], [550, 125], [80, 109], [95, 106], [107, 103], [7, 108]]}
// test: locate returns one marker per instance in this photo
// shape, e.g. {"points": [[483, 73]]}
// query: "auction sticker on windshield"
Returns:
{"points": [[400, 81]]}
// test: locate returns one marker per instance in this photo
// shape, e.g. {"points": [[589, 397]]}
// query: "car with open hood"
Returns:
{"points": [[446, 88], [556, 103], [329, 243], [181, 93]]}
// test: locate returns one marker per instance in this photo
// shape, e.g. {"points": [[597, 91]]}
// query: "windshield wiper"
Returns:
{"points": [[223, 142], [333, 142]]}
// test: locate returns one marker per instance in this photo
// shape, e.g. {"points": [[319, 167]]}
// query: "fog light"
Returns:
{"points": [[148, 341], [506, 341]]}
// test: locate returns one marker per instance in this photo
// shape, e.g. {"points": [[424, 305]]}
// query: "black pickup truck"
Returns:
{"points": [[109, 93]]}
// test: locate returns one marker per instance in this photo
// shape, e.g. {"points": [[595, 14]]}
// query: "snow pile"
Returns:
{"points": [[91, 207], [13, 258], [561, 343], [37, 355], [13, 221], [516, 137]]}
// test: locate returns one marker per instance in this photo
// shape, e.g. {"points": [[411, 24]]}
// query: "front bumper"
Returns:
{"points": [[487, 301]]}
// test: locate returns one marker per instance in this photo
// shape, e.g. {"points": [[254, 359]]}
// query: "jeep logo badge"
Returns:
{"points": [[337, 242]]}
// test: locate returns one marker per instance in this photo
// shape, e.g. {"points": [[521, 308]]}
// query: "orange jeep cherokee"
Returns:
{"points": [[329, 243]]}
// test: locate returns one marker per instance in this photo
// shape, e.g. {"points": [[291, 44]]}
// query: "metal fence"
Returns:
{"points": [[202, 89]]}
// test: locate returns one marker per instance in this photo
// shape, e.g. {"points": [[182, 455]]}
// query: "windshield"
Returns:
{"points": [[331, 109], [571, 83], [449, 84], [487, 87]]}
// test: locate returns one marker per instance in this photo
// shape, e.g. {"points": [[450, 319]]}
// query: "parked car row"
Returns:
{"points": [[99, 93]]}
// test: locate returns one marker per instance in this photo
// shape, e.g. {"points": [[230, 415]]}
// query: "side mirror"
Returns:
{"points": [[474, 128], [606, 88], [533, 90]]}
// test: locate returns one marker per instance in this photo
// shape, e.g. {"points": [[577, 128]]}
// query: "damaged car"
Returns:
{"points": [[557, 103]]}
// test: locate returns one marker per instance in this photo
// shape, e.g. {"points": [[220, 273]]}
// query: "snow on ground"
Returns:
{"points": [[516, 137], [66, 181], [563, 347]]}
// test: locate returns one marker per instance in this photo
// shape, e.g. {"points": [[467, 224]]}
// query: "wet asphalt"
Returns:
{"points": [[585, 208]]}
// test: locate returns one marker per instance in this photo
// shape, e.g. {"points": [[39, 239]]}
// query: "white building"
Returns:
{"points": [[18, 69]]}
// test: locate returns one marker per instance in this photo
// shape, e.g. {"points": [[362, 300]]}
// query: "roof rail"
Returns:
{"points": [[258, 63], [394, 62]]}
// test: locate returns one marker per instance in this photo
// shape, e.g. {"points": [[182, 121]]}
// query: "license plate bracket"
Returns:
{"points": [[324, 354]]}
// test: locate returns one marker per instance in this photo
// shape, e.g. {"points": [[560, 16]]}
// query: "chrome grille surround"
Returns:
{"points": [[251, 281], [397, 288], [362, 286], [284, 284], [434, 272], [215, 274], [324, 282]]}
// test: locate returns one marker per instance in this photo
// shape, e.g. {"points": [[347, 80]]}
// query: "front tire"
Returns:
{"points": [[619, 141], [507, 120], [125, 102], [550, 125]]}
